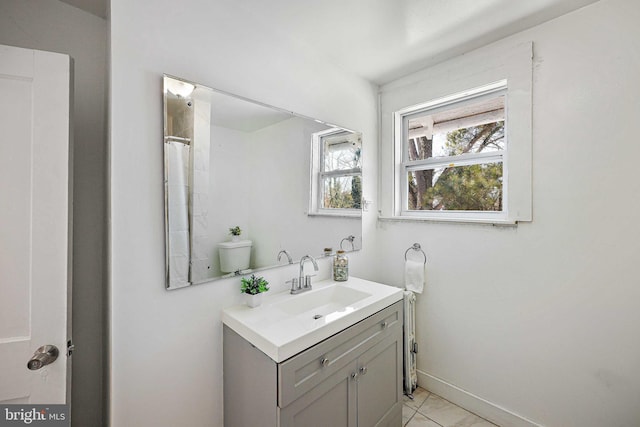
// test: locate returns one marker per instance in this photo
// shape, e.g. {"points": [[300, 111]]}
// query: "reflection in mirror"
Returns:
{"points": [[244, 189]]}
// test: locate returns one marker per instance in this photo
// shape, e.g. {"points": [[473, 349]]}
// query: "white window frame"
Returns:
{"points": [[506, 60], [404, 166], [318, 176]]}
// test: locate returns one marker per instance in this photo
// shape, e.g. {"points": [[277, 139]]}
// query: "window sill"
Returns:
{"points": [[452, 220], [337, 214]]}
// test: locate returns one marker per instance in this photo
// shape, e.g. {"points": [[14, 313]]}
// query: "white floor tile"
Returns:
{"points": [[419, 396], [407, 413], [420, 420], [447, 414]]}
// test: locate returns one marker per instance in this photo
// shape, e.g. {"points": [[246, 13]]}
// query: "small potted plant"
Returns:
{"points": [[253, 287], [235, 233]]}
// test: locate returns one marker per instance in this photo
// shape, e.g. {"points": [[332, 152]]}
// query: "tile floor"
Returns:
{"points": [[429, 410]]}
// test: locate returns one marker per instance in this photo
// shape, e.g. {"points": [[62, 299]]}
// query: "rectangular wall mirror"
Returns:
{"points": [[283, 181]]}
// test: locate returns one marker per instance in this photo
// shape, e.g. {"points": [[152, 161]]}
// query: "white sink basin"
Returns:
{"points": [[332, 299], [285, 324]]}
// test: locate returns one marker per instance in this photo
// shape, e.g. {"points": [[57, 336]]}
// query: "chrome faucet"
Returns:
{"points": [[303, 283], [287, 254]]}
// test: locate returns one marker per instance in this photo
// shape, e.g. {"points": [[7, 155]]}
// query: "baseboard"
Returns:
{"points": [[473, 403]]}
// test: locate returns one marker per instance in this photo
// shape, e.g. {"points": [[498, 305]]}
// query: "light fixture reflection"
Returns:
{"points": [[179, 88]]}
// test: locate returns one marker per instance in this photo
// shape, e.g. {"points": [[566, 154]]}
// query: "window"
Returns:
{"points": [[454, 154], [336, 179], [496, 73]]}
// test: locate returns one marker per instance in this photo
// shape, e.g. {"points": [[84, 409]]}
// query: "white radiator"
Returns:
{"points": [[410, 346]]}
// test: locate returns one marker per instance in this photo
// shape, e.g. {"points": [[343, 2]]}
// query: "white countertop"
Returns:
{"points": [[284, 324]]}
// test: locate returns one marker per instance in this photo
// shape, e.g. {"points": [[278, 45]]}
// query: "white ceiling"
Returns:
{"points": [[381, 40]]}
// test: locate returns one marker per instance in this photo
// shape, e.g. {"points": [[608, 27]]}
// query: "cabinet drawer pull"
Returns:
{"points": [[363, 370], [384, 325], [354, 376], [324, 361]]}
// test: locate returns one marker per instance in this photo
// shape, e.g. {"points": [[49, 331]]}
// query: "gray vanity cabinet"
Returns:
{"points": [[353, 378]]}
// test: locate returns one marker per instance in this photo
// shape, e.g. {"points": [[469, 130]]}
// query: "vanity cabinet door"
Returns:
{"points": [[380, 384], [332, 403]]}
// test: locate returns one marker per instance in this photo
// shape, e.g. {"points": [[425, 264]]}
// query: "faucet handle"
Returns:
{"points": [[307, 281], [294, 283]]}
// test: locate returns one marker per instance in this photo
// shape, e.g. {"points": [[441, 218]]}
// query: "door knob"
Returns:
{"points": [[42, 357]]}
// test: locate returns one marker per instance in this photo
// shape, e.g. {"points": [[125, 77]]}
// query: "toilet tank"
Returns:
{"points": [[234, 256]]}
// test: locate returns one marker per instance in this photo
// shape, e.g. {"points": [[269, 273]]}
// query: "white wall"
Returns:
{"points": [[166, 347], [541, 319], [58, 27]]}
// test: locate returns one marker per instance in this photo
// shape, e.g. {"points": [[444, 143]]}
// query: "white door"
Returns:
{"points": [[35, 223]]}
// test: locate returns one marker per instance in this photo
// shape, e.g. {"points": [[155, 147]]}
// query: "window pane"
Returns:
{"points": [[341, 152], [342, 192], [457, 188], [470, 128]]}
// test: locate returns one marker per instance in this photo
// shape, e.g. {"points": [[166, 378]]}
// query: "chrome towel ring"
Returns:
{"points": [[349, 239], [416, 247]]}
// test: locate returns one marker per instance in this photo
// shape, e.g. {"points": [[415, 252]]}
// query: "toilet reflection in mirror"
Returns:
{"points": [[235, 256], [231, 161]]}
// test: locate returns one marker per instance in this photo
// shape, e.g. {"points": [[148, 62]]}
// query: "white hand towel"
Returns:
{"points": [[414, 276]]}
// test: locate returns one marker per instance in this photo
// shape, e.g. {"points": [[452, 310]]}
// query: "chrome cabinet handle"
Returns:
{"points": [[384, 325], [363, 370], [324, 361], [42, 357], [354, 376]]}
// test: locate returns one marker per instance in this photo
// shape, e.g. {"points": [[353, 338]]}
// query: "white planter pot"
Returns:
{"points": [[253, 300]]}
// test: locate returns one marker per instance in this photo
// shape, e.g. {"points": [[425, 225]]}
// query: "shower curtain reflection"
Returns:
{"points": [[177, 159]]}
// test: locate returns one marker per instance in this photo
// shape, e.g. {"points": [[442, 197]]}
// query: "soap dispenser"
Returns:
{"points": [[340, 267]]}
